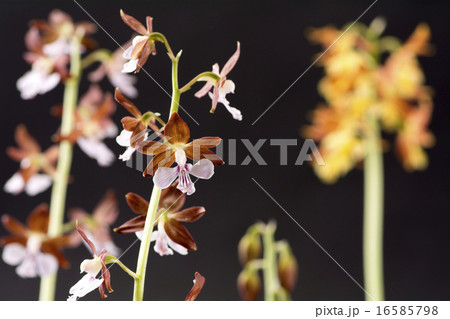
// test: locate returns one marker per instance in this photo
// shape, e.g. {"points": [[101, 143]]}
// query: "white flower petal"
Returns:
{"points": [[178, 248], [165, 176], [227, 87], [110, 130], [97, 150], [15, 184], [203, 169], [185, 183], [130, 66], [46, 264], [13, 254], [124, 138], [37, 184], [161, 244], [125, 83], [127, 154], [56, 48], [29, 84], [127, 53], [49, 83], [237, 115], [27, 269], [91, 266], [140, 233], [84, 286]]}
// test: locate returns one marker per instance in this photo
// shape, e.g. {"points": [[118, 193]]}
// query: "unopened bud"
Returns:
{"points": [[249, 284], [287, 268], [249, 247]]}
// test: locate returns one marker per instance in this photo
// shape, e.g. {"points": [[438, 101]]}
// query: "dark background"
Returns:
{"points": [[274, 53]]}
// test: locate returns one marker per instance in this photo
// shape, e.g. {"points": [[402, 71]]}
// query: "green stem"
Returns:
{"points": [[271, 283], [59, 189], [139, 282], [113, 260], [209, 75], [99, 55], [373, 216], [141, 268]]}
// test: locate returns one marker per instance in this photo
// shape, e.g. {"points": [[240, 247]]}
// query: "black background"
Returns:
{"points": [[274, 53]]}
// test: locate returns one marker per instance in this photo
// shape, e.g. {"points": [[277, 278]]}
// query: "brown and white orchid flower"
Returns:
{"points": [[60, 29], [93, 124], [97, 225], [134, 127], [171, 234], [177, 149], [223, 86], [111, 67], [141, 46], [92, 267], [32, 162], [30, 249], [46, 71]]}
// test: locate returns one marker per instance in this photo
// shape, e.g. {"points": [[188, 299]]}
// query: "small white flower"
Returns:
{"points": [[124, 140], [165, 176], [30, 260], [132, 64], [88, 283], [227, 87]]}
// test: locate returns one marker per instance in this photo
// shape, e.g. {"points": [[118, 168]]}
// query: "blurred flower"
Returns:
{"points": [[46, 71], [92, 267], [93, 124], [199, 281], [177, 134], [141, 46], [287, 267], [249, 284], [32, 161], [97, 225], [171, 234], [358, 88], [223, 87], [59, 30], [29, 247], [111, 67]]}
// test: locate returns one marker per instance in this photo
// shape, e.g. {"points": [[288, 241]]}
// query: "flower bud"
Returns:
{"points": [[249, 247], [287, 268], [249, 284]]}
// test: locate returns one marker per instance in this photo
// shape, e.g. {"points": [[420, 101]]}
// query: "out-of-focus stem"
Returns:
{"points": [[271, 283], [373, 215], [59, 189]]}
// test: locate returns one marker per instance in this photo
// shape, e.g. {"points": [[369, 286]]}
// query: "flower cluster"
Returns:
{"points": [[362, 89]]}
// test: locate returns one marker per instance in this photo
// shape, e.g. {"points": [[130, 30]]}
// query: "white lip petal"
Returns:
{"points": [[27, 269], [15, 184], [97, 150], [165, 176], [125, 83], [84, 286], [130, 66], [124, 138], [49, 83], [203, 169], [178, 248], [13, 254], [37, 184], [46, 264], [127, 53]]}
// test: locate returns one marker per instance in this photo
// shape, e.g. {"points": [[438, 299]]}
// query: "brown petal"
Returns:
{"points": [[172, 199], [189, 215], [26, 141], [52, 154], [106, 275], [159, 160], [16, 154], [138, 49], [106, 108], [106, 212], [152, 147], [86, 239], [144, 55], [138, 134], [13, 225], [199, 281], [207, 142], [231, 62], [129, 123], [132, 225], [137, 204], [203, 153], [51, 248], [126, 103], [13, 239], [149, 21], [70, 240], [38, 219], [133, 23], [179, 234], [177, 130]]}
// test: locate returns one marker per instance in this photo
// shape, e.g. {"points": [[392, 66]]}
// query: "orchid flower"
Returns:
{"points": [[92, 267], [32, 162], [177, 134], [93, 124], [46, 71], [97, 225], [222, 87], [111, 68], [141, 46], [171, 234], [59, 30], [30, 249], [134, 126]]}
